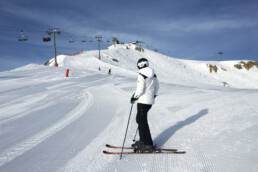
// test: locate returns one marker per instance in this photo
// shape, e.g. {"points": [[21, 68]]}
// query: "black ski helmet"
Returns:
{"points": [[142, 63]]}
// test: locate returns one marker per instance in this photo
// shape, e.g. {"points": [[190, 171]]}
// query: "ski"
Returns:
{"points": [[120, 147], [148, 152]]}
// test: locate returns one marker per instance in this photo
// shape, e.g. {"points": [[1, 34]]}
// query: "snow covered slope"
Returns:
{"points": [[52, 123], [168, 69]]}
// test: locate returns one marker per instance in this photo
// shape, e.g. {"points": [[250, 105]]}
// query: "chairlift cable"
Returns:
{"points": [[12, 28]]}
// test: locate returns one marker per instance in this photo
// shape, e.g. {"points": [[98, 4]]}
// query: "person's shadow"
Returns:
{"points": [[161, 139]]}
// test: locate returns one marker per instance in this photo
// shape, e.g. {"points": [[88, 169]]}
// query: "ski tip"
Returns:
{"points": [[107, 145], [180, 152], [107, 153]]}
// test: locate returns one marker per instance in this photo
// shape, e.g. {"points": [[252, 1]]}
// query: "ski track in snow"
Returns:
{"points": [[28, 144], [20, 107], [92, 154]]}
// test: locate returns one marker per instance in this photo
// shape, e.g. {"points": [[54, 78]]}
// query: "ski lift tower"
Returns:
{"points": [[54, 31], [99, 40]]}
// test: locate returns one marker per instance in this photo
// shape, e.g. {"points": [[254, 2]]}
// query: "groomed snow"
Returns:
{"points": [[52, 123]]}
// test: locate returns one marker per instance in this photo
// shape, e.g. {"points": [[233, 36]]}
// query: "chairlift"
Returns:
{"points": [[108, 41], [84, 39], [46, 39], [22, 37], [91, 40], [71, 40]]}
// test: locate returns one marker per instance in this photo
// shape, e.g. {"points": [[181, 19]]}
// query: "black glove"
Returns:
{"points": [[155, 96], [133, 99]]}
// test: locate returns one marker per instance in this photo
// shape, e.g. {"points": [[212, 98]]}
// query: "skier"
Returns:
{"points": [[109, 71], [146, 91]]}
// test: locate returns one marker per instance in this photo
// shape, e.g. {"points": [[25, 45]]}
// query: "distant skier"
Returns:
{"points": [[99, 69], [146, 91], [109, 71]]}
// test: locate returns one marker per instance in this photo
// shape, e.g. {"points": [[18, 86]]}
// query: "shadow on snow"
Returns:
{"points": [[165, 135]]}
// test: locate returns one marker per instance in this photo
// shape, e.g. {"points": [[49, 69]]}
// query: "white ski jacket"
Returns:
{"points": [[147, 86]]}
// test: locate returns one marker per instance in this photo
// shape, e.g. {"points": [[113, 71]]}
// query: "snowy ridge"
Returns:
{"points": [[167, 68], [52, 123]]}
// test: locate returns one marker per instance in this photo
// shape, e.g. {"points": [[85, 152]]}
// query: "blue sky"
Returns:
{"points": [[187, 29]]}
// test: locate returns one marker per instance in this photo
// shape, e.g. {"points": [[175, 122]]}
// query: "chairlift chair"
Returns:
{"points": [[71, 40], [46, 39], [84, 39], [22, 37]]}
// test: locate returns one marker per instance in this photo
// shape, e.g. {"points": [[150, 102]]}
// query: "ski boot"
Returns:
{"points": [[140, 147], [137, 144]]}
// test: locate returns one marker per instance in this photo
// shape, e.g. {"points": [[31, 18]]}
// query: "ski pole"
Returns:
{"points": [[135, 134], [126, 131]]}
